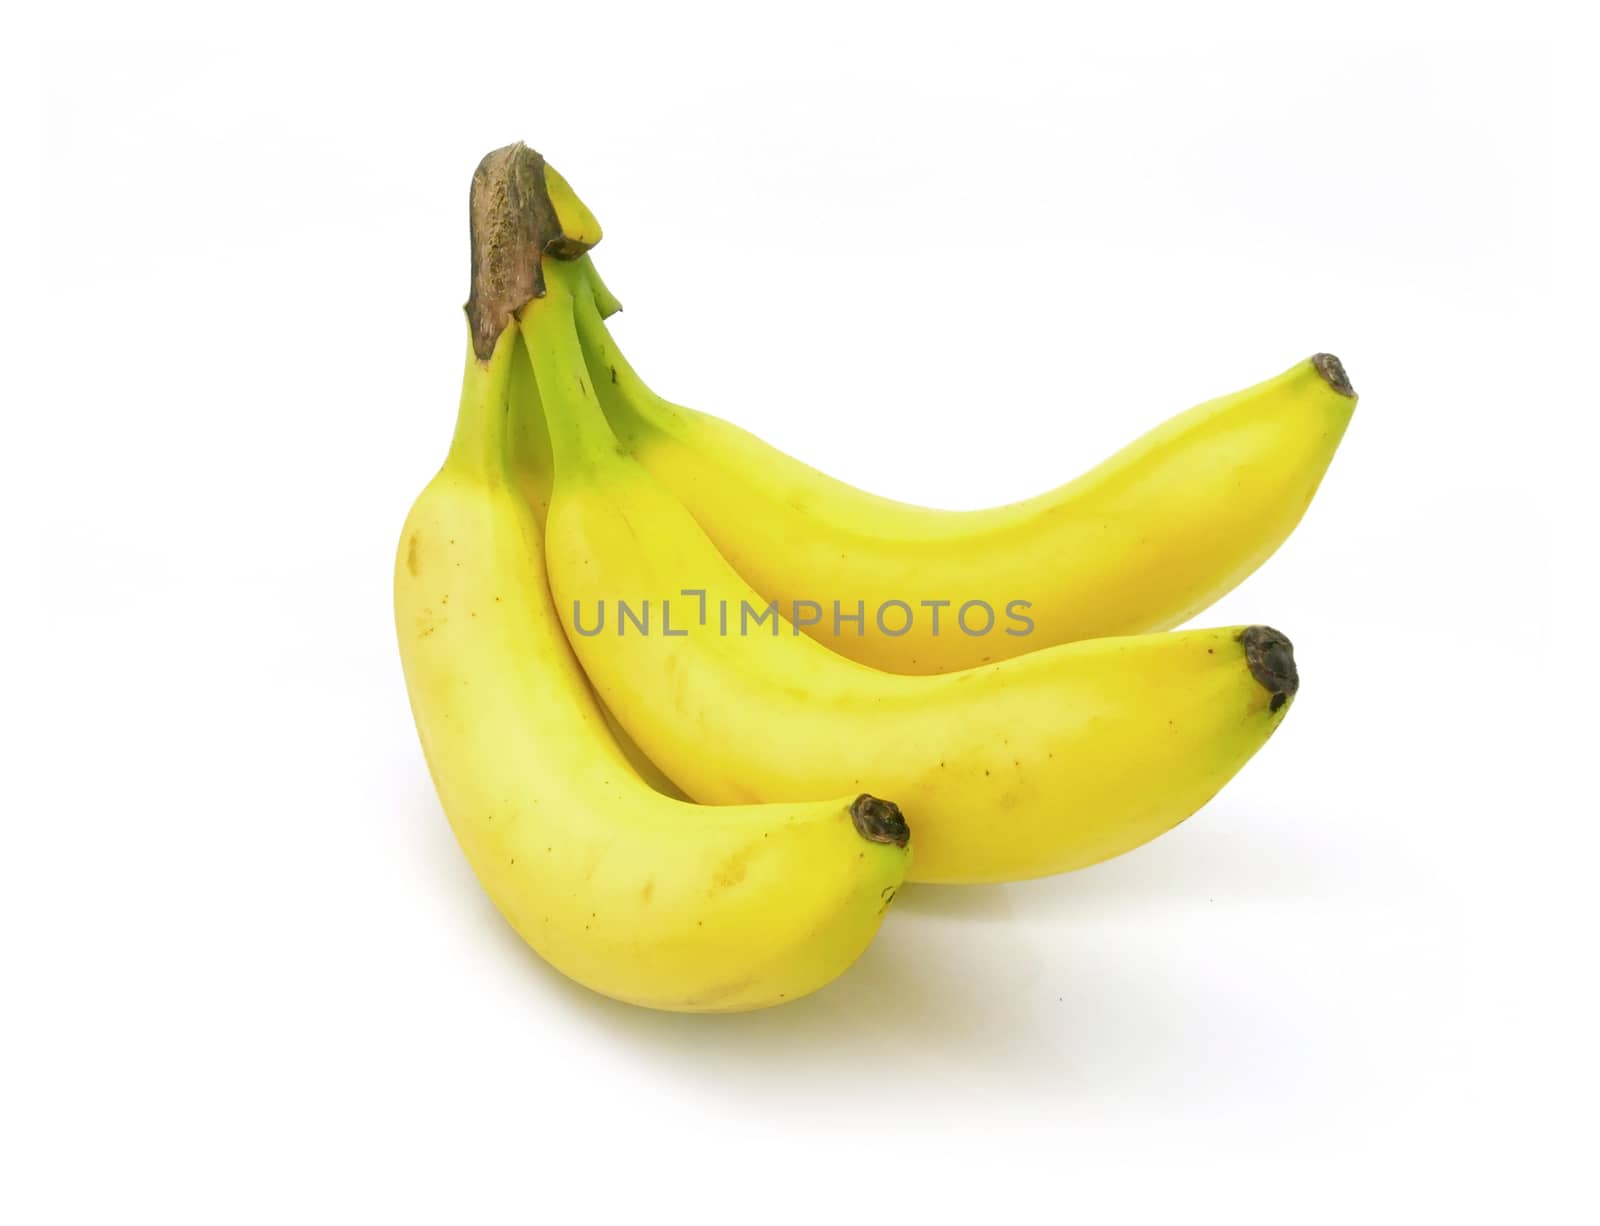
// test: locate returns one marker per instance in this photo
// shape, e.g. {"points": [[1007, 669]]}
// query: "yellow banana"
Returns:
{"points": [[530, 446], [1143, 542], [1044, 763], [638, 896]]}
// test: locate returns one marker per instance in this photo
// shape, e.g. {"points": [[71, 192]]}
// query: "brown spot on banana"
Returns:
{"points": [[732, 870]]}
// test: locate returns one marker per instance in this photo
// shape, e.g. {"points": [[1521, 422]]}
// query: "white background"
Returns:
{"points": [[953, 258]]}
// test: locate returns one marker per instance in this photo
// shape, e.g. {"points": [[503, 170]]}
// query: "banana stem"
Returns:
{"points": [[528, 226], [624, 393], [580, 436], [515, 223], [595, 287], [479, 444]]}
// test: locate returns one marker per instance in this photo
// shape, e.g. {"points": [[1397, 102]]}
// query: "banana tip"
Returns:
{"points": [[879, 821], [1270, 656], [1333, 373]]}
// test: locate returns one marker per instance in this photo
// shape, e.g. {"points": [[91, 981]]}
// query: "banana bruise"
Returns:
{"points": [[1037, 765], [1142, 542]]}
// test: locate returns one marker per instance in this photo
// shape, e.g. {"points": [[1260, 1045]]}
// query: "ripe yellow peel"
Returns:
{"points": [[529, 446], [1143, 542], [1041, 764], [644, 898]]}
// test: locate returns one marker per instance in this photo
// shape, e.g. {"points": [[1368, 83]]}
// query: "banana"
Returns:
{"points": [[1142, 542], [1040, 764], [640, 897], [531, 464]]}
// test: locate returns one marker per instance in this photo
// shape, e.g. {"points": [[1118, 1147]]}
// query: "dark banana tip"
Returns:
{"points": [[879, 821], [1270, 656], [1333, 373]]}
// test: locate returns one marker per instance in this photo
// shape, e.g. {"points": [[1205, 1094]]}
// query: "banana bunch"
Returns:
{"points": [[685, 699]]}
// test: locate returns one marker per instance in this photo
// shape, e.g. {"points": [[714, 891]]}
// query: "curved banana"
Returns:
{"points": [[1044, 763], [640, 897], [532, 467], [1143, 542]]}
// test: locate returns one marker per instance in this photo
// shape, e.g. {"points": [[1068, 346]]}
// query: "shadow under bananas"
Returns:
{"points": [[915, 1004], [963, 903], [1242, 856], [1021, 988], [955, 995]]}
